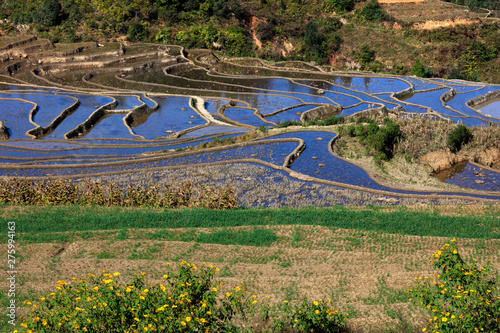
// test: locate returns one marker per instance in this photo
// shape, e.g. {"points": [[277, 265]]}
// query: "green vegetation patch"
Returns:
{"points": [[74, 218], [256, 237]]}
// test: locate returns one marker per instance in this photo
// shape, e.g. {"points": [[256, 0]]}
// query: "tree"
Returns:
{"points": [[50, 12], [371, 11], [367, 55]]}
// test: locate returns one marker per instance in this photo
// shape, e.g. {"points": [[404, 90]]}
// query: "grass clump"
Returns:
{"points": [[256, 237], [188, 300], [462, 297]]}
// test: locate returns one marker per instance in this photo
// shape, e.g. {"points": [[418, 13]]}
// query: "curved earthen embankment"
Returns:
{"points": [[38, 48], [292, 174], [57, 58], [321, 112], [93, 64], [288, 108], [141, 158], [91, 121], [482, 100], [433, 194], [4, 132], [295, 154], [23, 52], [19, 43], [138, 115], [34, 109], [40, 132]]}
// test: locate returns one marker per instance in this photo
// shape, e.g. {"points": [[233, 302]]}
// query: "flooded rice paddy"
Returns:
{"points": [[127, 118]]}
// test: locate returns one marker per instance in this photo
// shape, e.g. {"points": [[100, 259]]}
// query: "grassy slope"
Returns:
{"points": [[395, 41]]}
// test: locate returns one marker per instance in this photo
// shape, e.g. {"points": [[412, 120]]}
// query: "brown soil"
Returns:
{"points": [[400, 1], [350, 267], [430, 25], [255, 23]]}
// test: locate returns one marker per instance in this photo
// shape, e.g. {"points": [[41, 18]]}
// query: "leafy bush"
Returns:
{"points": [[340, 5], [235, 41], [189, 300], [381, 139], [367, 55], [49, 14], [459, 136], [183, 301], [462, 297], [420, 71], [137, 32], [351, 129], [371, 11], [289, 123]]}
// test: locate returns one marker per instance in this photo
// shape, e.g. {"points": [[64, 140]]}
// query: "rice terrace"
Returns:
{"points": [[158, 184]]}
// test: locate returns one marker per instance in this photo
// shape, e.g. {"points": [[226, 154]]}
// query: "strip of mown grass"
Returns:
{"points": [[51, 219]]}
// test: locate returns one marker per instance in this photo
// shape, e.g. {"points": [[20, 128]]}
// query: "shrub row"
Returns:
{"points": [[189, 300], [460, 297], [60, 192]]}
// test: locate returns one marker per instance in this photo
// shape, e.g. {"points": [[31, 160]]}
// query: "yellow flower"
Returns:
{"points": [[214, 289], [444, 319], [209, 313], [108, 281], [116, 273], [183, 323], [315, 303], [317, 311], [188, 319]]}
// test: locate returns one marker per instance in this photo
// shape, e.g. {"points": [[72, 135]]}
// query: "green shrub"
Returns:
{"points": [[366, 56], [459, 136], [461, 297], [371, 11], [339, 5], [137, 32], [351, 130], [289, 123], [419, 70]]}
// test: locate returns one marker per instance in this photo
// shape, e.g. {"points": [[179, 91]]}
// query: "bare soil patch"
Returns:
{"points": [[360, 271]]}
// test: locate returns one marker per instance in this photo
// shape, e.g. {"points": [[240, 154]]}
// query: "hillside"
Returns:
{"points": [[426, 38]]}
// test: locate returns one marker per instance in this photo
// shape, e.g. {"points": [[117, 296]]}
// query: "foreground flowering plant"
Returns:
{"points": [[188, 300], [462, 297]]}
